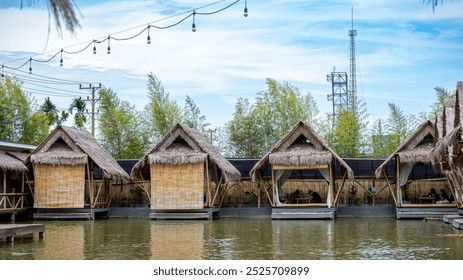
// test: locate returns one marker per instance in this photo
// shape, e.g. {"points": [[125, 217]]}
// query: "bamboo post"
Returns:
{"points": [[208, 183], [390, 187], [397, 182], [332, 182], [22, 188], [4, 181], [457, 188], [216, 192], [273, 187], [143, 184], [340, 188], [30, 188], [374, 186], [90, 181], [98, 193]]}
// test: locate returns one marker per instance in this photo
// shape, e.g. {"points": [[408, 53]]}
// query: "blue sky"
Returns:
{"points": [[404, 50]]}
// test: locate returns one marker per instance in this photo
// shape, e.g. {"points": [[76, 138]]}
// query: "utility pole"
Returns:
{"points": [[93, 89]]}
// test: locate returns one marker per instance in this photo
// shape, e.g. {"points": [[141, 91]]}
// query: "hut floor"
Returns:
{"points": [[424, 212], [70, 213], [303, 213], [205, 214]]}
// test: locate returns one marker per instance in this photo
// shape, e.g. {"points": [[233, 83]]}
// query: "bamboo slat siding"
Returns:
{"points": [[177, 187], [59, 186]]}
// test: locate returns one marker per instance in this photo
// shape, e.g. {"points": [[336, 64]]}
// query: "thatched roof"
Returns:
{"points": [[12, 161], [441, 149], [299, 147], [417, 148], [70, 146], [183, 145], [450, 130]]}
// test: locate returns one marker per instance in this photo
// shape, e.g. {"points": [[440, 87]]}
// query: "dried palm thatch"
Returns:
{"points": [[71, 147], [299, 147], [184, 145], [441, 151], [12, 161], [417, 148]]}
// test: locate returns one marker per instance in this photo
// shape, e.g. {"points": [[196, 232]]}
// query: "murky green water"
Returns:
{"points": [[236, 239]]}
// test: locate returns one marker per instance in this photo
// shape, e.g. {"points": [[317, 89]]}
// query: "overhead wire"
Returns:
{"points": [[191, 13]]}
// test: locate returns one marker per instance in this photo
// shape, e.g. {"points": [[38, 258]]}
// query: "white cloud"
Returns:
{"points": [[401, 47]]}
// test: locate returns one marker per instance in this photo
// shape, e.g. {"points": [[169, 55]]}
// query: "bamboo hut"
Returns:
{"points": [[413, 151], [301, 149], [65, 165], [15, 195], [185, 176], [447, 156]]}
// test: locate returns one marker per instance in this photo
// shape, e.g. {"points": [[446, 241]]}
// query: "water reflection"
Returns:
{"points": [[141, 239], [178, 240]]}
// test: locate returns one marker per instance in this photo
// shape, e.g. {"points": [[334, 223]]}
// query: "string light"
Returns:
{"points": [[3, 70], [245, 8], [109, 48], [148, 39], [193, 26]]}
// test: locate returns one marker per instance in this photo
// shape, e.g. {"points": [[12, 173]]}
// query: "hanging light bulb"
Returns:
{"points": [[193, 26], [3, 74], [94, 48], [109, 48], [148, 39], [61, 59], [30, 65], [245, 8]]}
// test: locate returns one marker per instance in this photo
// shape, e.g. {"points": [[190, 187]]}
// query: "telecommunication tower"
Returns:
{"points": [[339, 95], [352, 71]]}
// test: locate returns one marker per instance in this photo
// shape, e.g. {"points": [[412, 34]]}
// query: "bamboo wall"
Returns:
{"points": [[59, 186], [177, 186]]}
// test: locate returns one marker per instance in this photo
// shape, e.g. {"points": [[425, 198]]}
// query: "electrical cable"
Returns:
{"points": [[192, 13]]}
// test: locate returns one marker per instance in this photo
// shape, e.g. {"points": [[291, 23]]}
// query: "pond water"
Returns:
{"points": [[238, 239]]}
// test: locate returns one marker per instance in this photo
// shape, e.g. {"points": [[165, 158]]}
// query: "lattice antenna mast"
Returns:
{"points": [[352, 92]]}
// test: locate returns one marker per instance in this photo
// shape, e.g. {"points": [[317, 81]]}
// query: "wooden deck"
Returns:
{"points": [[205, 214], [10, 231], [300, 213], [70, 213], [425, 211]]}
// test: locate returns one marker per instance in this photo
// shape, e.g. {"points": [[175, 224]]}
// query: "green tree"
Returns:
{"points": [[255, 129], [54, 116], [399, 126], [192, 116], [349, 137], [442, 94], [79, 117], [380, 140], [243, 131], [118, 127], [19, 119], [161, 113]]}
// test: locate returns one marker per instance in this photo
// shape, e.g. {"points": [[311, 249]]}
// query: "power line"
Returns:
{"points": [[190, 13]]}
